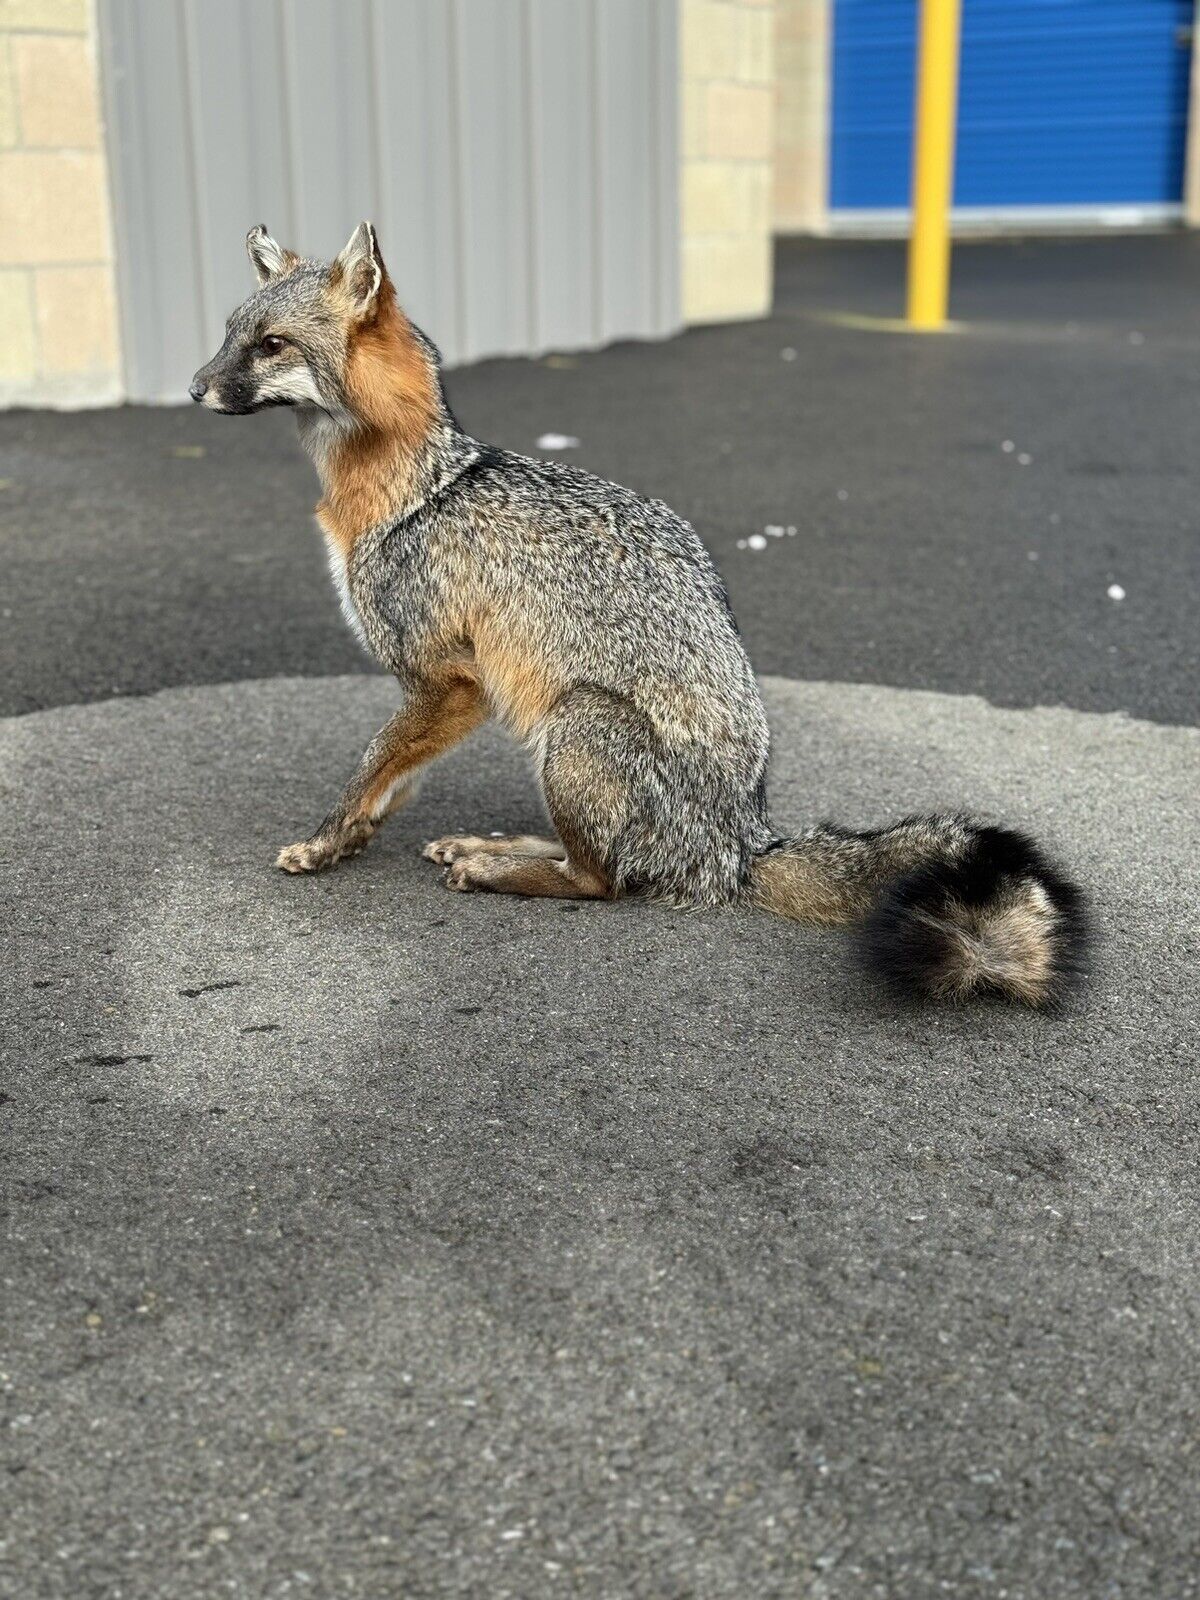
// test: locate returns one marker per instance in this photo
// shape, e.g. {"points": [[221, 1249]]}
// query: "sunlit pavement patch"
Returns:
{"points": [[399, 1238]]}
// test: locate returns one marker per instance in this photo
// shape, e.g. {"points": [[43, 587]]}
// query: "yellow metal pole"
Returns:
{"points": [[933, 163]]}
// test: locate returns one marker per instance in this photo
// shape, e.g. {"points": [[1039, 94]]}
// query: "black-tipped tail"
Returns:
{"points": [[996, 919]]}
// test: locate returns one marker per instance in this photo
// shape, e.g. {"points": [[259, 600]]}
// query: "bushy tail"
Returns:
{"points": [[944, 907]]}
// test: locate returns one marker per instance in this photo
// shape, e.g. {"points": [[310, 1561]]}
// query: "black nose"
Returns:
{"points": [[198, 390]]}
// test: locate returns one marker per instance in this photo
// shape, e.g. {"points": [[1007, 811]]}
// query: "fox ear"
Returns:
{"points": [[269, 260], [362, 270]]}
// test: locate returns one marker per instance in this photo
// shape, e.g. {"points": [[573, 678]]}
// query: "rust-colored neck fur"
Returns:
{"points": [[369, 473]]}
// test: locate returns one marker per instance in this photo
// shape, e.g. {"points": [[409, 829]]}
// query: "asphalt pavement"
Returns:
{"points": [[367, 1240]]}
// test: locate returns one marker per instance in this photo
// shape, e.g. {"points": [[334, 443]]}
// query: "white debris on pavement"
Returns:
{"points": [[1115, 592], [1007, 446], [557, 441], [787, 354], [1024, 458], [773, 530]]}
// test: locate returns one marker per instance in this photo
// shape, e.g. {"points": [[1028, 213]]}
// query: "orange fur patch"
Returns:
{"points": [[520, 687], [434, 720], [393, 394]]}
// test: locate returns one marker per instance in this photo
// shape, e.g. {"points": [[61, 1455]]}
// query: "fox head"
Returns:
{"points": [[328, 338]]}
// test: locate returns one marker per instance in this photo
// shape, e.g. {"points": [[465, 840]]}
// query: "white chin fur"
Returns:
{"points": [[320, 431], [295, 386]]}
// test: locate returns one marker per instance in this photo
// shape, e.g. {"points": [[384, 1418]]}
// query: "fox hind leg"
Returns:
{"points": [[456, 845], [542, 876], [587, 740]]}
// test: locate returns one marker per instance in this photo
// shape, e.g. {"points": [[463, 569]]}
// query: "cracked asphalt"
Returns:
{"points": [[365, 1240]]}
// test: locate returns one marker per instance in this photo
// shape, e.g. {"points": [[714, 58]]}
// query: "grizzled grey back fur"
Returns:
{"points": [[617, 599]]}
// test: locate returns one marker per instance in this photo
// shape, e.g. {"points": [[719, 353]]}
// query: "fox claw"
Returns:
{"points": [[316, 855], [450, 848], [302, 857], [468, 872]]}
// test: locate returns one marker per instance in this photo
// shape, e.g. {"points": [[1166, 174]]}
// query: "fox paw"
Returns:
{"points": [[469, 872], [316, 855], [454, 845]]}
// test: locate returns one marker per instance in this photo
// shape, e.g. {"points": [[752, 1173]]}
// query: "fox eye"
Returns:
{"points": [[272, 345]]}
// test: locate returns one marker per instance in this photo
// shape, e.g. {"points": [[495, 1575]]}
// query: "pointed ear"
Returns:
{"points": [[269, 260], [362, 270]]}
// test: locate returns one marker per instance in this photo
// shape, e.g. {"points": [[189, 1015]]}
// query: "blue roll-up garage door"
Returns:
{"points": [[1063, 103]]}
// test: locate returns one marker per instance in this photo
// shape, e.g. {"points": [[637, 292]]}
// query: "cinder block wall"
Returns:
{"points": [[802, 70], [58, 320], [727, 56]]}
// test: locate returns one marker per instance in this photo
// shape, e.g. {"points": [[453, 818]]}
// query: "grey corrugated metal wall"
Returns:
{"points": [[518, 157]]}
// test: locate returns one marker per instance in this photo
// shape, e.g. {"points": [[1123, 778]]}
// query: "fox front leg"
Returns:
{"points": [[437, 715]]}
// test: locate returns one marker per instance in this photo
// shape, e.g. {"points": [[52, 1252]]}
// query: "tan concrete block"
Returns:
{"points": [[788, 24], [801, 188], [801, 110], [756, 47], [76, 319], [740, 121], [801, 77], [9, 127], [796, 60], [18, 348], [58, 16], [726, 278], [731, 197], [755, 196], [793, 124], [56, 91], [712, 198], [694, 128], [693, 40], [53, 207], [802, 19], [708, 39]]}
